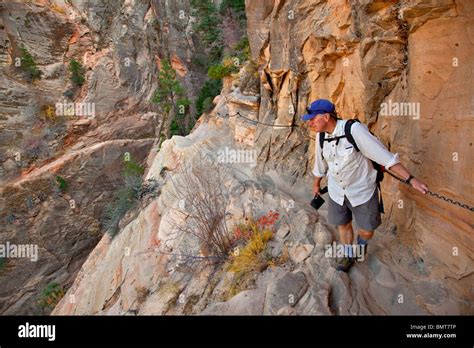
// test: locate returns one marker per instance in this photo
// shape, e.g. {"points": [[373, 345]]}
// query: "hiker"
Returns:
{"points": [[349, 155]]}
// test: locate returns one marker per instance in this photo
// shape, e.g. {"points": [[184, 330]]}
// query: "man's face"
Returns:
{"points": [[318, 123]]}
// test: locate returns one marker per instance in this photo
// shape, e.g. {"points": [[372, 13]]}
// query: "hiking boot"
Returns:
{"points": [[345, 264]]}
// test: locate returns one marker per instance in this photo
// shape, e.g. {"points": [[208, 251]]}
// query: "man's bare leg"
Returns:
{"points": [[346, 234], [366, 235], [362, 240]]}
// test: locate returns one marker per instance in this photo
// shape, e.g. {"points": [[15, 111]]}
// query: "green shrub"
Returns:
{"points": [[236, 5], [132, 168], [178, 124], [242, 49], [123, 202], [28, 65], [50, 296], [242, 44], [77, 73], [200, 61], [207, 25], [175, 128], [209, 90], [3, 262], [125, 197], [236, 9], [215, 55], [219, 71], [207, 104], [69, 93], [162, 138], [62, 184]]}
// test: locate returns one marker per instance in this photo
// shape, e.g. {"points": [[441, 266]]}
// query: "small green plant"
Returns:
{"points": [[50, 296], [77, 73], [69, 93], [3, 262], [179, 124], [28, 65], [242, 49], [62, 184], [124, 200], [132, 168], [228, 66], [209, 90], [125, 197], [160, 143]]}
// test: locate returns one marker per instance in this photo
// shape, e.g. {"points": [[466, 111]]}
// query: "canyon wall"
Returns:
{"points": [[359, 54], [119, 44], [362, 55]]}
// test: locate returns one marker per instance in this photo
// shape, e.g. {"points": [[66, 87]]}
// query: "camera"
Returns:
{"points": [[318, 201]]}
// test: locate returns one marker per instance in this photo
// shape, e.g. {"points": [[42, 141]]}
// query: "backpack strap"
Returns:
{"points": [[322, 135], [381, 208], [347, 132]]}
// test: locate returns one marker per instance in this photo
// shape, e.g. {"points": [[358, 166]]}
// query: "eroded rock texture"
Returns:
{"points": [[115, 41], [359, 54]]}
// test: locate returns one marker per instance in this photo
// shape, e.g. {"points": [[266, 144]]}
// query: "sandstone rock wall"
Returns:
{"points": [[116, 42], [359, 54]]}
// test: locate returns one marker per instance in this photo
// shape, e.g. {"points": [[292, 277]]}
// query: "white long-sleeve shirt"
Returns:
{"points": [[350, 172]]}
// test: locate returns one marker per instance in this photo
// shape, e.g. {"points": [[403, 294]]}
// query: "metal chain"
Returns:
{"points": [[452, 201], [266, 124], [437, 195]]}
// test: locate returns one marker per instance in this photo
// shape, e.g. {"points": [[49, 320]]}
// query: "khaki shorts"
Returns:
{"points": [[367, 215]]}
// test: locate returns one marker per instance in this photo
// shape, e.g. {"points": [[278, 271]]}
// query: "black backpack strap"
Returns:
{"points": [[322, 135], [381, 207], [347, 132]]}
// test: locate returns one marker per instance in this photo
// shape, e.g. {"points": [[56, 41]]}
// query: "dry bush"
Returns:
{"points": [[142, 294], [203, 200]]}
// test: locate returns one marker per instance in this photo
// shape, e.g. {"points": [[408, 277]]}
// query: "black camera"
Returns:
{"points": [[318, 201]]}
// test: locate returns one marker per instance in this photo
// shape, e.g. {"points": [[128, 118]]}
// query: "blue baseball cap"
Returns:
{"points": [[318, 107]]}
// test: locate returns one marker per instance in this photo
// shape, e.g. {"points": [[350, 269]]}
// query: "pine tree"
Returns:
{"points": [[167, 94], [77, 72], [28, 65]]}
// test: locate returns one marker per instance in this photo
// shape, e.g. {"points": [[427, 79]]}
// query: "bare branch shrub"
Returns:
{"points": [[202, 197]]}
